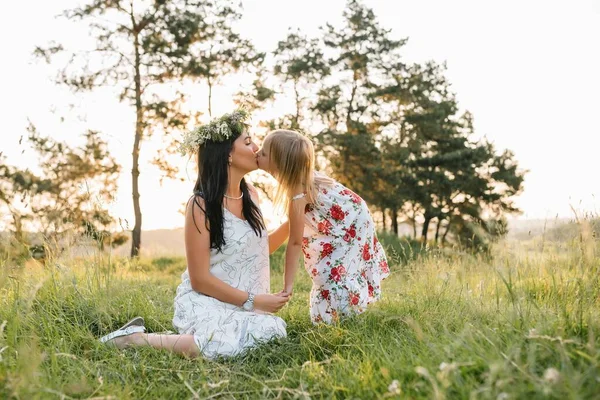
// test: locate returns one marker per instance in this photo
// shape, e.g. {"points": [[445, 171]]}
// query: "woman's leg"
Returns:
{"points": [[180, 344]]}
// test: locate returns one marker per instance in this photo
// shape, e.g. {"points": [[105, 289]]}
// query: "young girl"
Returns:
{"points": [[330, 224]]}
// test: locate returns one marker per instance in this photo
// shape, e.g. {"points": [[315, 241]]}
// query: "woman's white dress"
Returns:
{"points": [[222, 329]]}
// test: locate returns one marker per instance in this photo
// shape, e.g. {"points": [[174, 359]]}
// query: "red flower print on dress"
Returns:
{"points": [[352, 230], [335, 275], [327, 249], [354, 298], [355, 198], [350, 233], [365, 254], [384, 267], [324, 227], [346, 254], [336, 212]]}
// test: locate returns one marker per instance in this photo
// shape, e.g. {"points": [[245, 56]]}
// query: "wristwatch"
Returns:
{"points": [[249, 304]]}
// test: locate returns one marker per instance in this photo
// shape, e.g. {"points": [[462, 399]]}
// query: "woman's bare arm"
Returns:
{"points": [[197, 249]]}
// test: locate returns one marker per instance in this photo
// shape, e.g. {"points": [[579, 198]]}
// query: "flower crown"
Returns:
{"points": [[217, 130]]}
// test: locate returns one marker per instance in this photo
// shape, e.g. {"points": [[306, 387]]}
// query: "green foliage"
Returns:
{"points": [[166, 265], [525, 326], [393, 131], [300, 63], [67, 199], [402, 250], [573, 229], [277, 260], [147, 49]]}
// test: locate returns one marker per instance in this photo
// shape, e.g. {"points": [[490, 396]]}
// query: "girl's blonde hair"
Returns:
{"points": [[292, 160]]}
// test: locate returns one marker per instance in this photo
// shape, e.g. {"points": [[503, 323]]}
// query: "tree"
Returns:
{"points": [[393, 131], [221, 51], [433, 170], [146, 49], [68, 197], [359, 50], [299, 62], [454, 179]]}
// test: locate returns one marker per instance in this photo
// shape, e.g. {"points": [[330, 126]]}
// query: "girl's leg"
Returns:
{"points": [[180, 344]]}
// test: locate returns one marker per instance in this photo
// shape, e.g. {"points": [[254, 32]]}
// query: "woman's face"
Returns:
{"points": [[243, 153]]}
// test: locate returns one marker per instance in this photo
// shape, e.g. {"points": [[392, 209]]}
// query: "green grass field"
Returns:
{"points": [[524, 324]]}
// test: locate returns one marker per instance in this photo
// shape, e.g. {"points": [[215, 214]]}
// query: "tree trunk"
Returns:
{"points": [[414, 224], [209, 98], [425, 228], [19, 237], [296, 121], [136, 234], [395, 220], [437, 230], [383, 219], [413, 219], [349, 123], [446, 233]]}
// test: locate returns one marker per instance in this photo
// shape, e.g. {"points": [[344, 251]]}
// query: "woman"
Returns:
{"points": [[222, 306]]}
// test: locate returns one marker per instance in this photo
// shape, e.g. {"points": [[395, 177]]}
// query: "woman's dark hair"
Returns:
{"points": [[211, 186]]}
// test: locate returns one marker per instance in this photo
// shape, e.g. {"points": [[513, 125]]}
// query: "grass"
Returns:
{"points": [[523, 324]]}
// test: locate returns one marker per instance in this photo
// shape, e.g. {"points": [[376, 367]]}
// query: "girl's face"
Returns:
{"points": [[262, 158], [243, 153]]}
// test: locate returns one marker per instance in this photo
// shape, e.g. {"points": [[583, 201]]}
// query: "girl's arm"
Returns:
{"points": [[197, 250], [294, 247]]}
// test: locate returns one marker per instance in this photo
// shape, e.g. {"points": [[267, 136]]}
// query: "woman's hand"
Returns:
{"points": [[270, 302]]}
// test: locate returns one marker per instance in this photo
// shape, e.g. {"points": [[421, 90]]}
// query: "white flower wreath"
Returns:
{"points": [[217, 130]]}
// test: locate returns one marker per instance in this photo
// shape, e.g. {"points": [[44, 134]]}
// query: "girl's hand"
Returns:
{"points": [[288, 288], [285, 293], [270, 302]]}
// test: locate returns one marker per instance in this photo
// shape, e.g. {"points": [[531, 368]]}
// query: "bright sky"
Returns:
{"points": [[527, 70]]}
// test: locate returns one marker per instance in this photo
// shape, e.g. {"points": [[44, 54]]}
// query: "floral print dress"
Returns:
{"points": [[341, 254]]}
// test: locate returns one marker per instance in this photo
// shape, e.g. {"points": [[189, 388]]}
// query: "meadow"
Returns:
{"points": [[521, 322]]}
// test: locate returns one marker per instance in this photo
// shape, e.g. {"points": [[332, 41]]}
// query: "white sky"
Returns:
{"points": [[528, 70]]}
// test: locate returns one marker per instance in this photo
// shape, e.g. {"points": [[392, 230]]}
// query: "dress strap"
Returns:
{"points": [[298, 196]]}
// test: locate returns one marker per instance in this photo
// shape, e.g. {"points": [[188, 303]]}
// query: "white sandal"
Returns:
{"points": [[136, 325]]}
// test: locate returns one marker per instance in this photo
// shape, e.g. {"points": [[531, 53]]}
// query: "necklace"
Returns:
{"points": [[234, 198]]}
